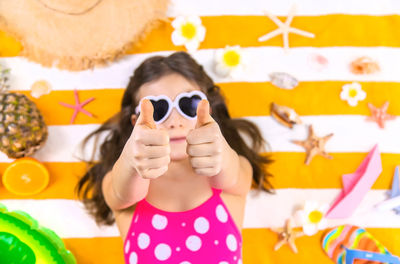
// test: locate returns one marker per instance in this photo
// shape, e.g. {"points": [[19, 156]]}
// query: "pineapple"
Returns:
{"points": [[22, 128]]}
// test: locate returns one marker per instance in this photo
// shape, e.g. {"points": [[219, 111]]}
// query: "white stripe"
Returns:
{"points": [[262, 210], [64, 144], [351, 134], [389, 204], [69, 219], [260, 62], [304, 7]]}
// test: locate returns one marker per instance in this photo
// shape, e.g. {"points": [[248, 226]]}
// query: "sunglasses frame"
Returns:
{"points": [[172, 104]]}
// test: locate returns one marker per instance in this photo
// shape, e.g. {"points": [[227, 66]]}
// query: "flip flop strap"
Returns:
{"points": [[352, 254]]}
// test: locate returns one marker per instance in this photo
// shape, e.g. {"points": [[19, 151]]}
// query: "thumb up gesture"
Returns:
{"points": [[148, 148], [205, 143]]}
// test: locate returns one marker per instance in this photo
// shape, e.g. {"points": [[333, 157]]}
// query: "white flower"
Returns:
{"points": [[352, 93], [312, 217], [188, 31], [229, 61]]}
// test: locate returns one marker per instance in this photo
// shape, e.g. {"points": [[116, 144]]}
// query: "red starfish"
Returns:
{"points": [[379, 115], [314, 145], [78, 107]]}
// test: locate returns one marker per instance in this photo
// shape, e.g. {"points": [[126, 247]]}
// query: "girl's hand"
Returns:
{"points": [[206, 145], [148, 149]]}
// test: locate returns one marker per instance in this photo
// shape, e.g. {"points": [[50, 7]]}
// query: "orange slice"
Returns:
{"points": [[25, 176]]}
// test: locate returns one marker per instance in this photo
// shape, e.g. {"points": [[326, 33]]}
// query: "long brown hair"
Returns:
{"points": [[119, 128]]}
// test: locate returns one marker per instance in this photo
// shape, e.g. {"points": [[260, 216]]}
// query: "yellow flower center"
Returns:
{"points": [[231, 58], [352, 93], [315, 217], [188, 30]]}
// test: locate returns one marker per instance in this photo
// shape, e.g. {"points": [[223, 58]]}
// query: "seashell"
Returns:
{"points": [[318, 62], [285, 115], [364, 65], [40, 88], [283, 80]]}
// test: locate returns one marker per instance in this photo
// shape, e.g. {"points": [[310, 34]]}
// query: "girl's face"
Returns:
{"points": [[176, 125]]}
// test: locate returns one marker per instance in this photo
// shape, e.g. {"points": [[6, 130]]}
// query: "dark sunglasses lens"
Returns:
{"points": [[160, 109], [188, 105]]}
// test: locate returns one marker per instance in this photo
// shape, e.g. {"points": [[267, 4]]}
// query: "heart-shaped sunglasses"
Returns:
{"points": [[186, 104]]}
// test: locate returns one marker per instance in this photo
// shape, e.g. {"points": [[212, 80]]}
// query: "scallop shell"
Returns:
{"points": [[364, 65], [40, 88]]}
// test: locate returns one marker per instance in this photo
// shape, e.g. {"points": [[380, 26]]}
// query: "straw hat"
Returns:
{"points": [[78, 34]]}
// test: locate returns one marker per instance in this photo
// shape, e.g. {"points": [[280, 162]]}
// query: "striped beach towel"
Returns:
{"points": [[344, 31]]}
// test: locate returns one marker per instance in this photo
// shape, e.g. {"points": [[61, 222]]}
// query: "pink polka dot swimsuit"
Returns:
{"points": [[205, 234]]}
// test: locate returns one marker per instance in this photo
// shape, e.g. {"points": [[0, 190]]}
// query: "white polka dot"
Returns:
{"points": [[178, 249], [133, 233], [240, 261], [143, 240], [136, 218], [223, 262], [159, 222], [231, 242], [185, 262], [183, 224], [221, 214], [201, 225], [193, 243], [133, 258], [127, 247], [234, 258], [216, 242], [162, 251]]}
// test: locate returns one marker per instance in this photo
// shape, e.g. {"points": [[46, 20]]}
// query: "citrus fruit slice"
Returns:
{"points": [[25, 176]]}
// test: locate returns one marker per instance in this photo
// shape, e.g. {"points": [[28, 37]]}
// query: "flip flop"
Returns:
{"points": [[349, 244]]}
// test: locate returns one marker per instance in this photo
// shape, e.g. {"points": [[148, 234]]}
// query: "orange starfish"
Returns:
{"points": [[287, 235], [314, 145], [379, 115]]}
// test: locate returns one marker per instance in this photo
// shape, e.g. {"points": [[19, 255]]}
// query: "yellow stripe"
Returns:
{"points": [[106, 103], [321, 173], [309, 98], [63, 179], [99, 250], [330, 31], [290, 171], [258, 244], [256, 99], [9, 47]]}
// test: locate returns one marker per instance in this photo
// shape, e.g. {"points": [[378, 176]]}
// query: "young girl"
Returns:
{"points": [[174, 171]]}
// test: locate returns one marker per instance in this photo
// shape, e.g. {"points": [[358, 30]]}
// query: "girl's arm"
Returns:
{"points": [[236, 173], [123, 186], [211, 155], [145, 156]]}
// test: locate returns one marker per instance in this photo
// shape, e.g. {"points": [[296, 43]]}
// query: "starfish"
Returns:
{"points": [[379, 115], [78, 107], [314, 145], [287, 235], [284, 29]]}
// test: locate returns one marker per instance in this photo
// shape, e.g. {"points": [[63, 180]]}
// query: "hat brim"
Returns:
{"points": [[80, 38]]}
